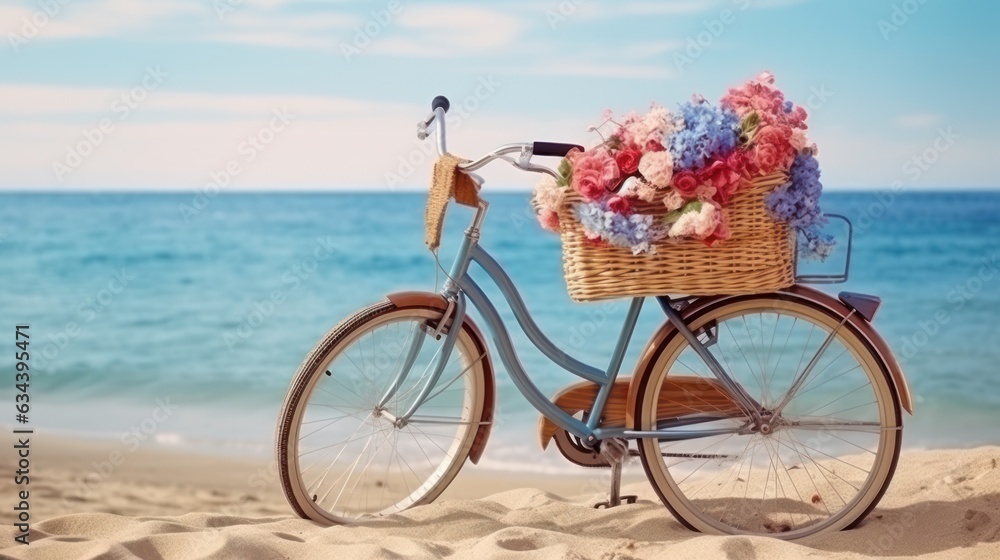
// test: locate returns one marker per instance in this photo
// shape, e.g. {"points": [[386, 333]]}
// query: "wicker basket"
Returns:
{"points": [[759, 257]]}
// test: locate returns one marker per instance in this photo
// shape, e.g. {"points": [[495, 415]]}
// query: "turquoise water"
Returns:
{"points": [[130, 301]]}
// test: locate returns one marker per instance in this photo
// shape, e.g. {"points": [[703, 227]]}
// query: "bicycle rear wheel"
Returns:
{"points": [[824, 459], [341, 456]]}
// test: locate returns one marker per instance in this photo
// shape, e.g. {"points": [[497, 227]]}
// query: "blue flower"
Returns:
{"points": [[704, 132], [797, 204], [635, 231]]}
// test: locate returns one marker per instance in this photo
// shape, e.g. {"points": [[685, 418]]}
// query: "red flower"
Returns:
{"points": [[628, 160], [619, 205], [595, 242], [740, 162], [594, 173], [654, 146], [724, 178], [686, 183]]}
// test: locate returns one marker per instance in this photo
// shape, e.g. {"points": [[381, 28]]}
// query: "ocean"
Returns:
{"points": [[181, 321]]}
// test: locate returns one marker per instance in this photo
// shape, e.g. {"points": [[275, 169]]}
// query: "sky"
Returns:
{"points": [[217, 95]]}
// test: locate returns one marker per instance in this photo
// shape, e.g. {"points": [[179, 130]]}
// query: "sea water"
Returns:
{"points": [[141, 303]]}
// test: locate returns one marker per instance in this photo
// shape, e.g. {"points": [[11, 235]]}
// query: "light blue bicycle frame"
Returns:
{"points": [[460, 286]]}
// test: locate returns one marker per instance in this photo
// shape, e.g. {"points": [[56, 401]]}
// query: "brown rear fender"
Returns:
{"points": [[430, 300], [863, 328]]}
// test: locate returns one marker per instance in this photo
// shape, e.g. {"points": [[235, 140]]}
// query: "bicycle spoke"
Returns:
{"points": [[352, 460], [763, 479]]}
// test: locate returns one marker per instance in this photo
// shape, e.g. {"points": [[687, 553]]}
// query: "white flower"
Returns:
{"points": [[799, 141], [548, 195], [657, 168], [654, 125], [634, 187], [699, 224], [673, 200]]}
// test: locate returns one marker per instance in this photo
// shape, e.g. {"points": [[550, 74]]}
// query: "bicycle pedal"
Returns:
{"points": [[614, 450]]}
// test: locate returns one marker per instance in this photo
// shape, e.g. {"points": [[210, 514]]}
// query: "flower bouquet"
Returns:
{"points": [[701, 201]]}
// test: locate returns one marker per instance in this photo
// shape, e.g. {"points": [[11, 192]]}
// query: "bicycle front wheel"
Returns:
{"points": [[822, 459], [342, 455]]}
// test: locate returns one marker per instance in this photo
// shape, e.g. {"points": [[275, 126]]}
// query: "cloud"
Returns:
{"points": [[596, 70], [667, 7], [649, 49], [169, 143], [268, 22], [175, 140], [52, 101], [103, 18], [918, 120], [673, 7], [440, 31], [428, 30], [274, 28]]}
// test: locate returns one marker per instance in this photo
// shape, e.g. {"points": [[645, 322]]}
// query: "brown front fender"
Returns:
{"points": [[430, 300], [864, 329]]}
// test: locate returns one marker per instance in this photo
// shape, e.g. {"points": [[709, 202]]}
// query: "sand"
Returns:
{"points": [[159, 504]]}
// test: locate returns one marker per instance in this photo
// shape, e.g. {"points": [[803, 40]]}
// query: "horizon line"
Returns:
{"points": [[423, 190]]}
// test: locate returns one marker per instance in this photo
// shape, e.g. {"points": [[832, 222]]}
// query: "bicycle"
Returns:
{"points": [[386, 409]]}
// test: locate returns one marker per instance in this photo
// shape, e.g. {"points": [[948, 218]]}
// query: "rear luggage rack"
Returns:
{"points": [[837, 278]]}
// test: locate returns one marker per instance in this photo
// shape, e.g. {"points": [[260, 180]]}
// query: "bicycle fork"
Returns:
{"points": [[455, 314]]}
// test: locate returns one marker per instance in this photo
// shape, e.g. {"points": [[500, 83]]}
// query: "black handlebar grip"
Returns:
{"points": [[442, 102], [555, 149]]}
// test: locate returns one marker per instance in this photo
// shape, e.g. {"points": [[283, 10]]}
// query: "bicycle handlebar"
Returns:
{"points": [[440, 106], [554, 149], [442, 102]]}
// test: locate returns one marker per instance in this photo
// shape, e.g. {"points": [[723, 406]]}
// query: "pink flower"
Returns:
{"points": [[766, 158], [797, 118], [588, 183], [773, 148], [657, 168], [628, 160], [549, 220], [759, 95], [619, 205], [721, 233], [594, 173], [706, 192], [686, 183]]}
